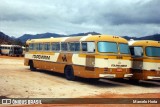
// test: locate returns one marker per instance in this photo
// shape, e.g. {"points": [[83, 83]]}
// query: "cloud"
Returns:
{"points": [[118, 17]]}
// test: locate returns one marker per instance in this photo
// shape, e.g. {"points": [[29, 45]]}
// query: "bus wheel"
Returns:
{"points": [[32, 68], [69, 73]]}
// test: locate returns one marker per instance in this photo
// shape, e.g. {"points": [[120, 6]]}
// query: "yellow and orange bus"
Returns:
{"points": [[146, 59], [98, 56]]}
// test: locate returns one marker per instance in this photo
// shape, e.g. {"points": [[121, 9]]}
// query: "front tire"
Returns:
{"points": [[32, 68], [69, 73]]}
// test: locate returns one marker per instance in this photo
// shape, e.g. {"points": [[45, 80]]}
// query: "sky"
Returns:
{"points": [[134, 18]]}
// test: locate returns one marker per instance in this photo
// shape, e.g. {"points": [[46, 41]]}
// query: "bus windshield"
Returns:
{"points": [[110, 47], [153, 51], [124, 48]]}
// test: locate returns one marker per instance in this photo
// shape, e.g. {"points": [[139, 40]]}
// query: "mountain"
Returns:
{"points": [[83, 34], [151, 37], [5, 39], [25, 37]]}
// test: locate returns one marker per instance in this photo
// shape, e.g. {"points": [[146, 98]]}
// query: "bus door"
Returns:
{"points": [[90, 55], [90, 62], [11, 51], [137, 61]]}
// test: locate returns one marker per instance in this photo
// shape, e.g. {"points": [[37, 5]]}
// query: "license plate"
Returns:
{"points": [[119, 70]]}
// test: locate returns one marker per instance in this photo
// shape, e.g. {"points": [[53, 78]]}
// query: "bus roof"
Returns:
{"points": [[80, 38], [144, 43], [10, 45]]}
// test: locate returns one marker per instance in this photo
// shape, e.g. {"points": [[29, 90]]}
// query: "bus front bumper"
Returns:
{"points": [[153, 78], [107, 75], [114, 75], [128, 75]]}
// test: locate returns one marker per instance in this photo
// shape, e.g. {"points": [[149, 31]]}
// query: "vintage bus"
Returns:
{"points": [[146, 59], [98, 56], [11, 50]]}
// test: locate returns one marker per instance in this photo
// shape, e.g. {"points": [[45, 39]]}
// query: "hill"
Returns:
{"points": [[5, 39], [151, 37], [48, 35]]}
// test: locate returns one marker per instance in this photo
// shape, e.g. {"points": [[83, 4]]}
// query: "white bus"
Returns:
{"points": [[11, 50]]}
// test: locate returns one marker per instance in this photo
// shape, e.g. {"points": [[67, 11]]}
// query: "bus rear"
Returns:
{"points": [[146, 59]]}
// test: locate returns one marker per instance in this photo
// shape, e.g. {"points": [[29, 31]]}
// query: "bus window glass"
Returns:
{"points": [[55, 46], [136, 51], [71, 46], [124, 48], [77, 46], [74, 46], [153, 51], [40, 46], [64, 46], [37, 46], [110, 47], [88, 46], [84, 46], [47, 46], [31, 46]]}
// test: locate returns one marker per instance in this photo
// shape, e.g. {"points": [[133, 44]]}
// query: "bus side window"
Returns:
{"points": [[40, 46], [88, 47], [31, 46], [84, 46], [71, 46], [47, 46], [37, 46], [74, 46], [55, 46], [64, 47], [77, 46], [136, 51]]}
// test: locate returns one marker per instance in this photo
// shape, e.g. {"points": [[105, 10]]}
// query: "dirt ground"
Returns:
{"points": [[17, 81]]}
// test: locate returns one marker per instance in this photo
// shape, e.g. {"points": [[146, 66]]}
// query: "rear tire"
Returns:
{"points": [[69, 73], [32, 68]]}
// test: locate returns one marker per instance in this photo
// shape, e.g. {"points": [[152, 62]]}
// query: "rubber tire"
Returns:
{"points": [[32, 68], [69, 73]]}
